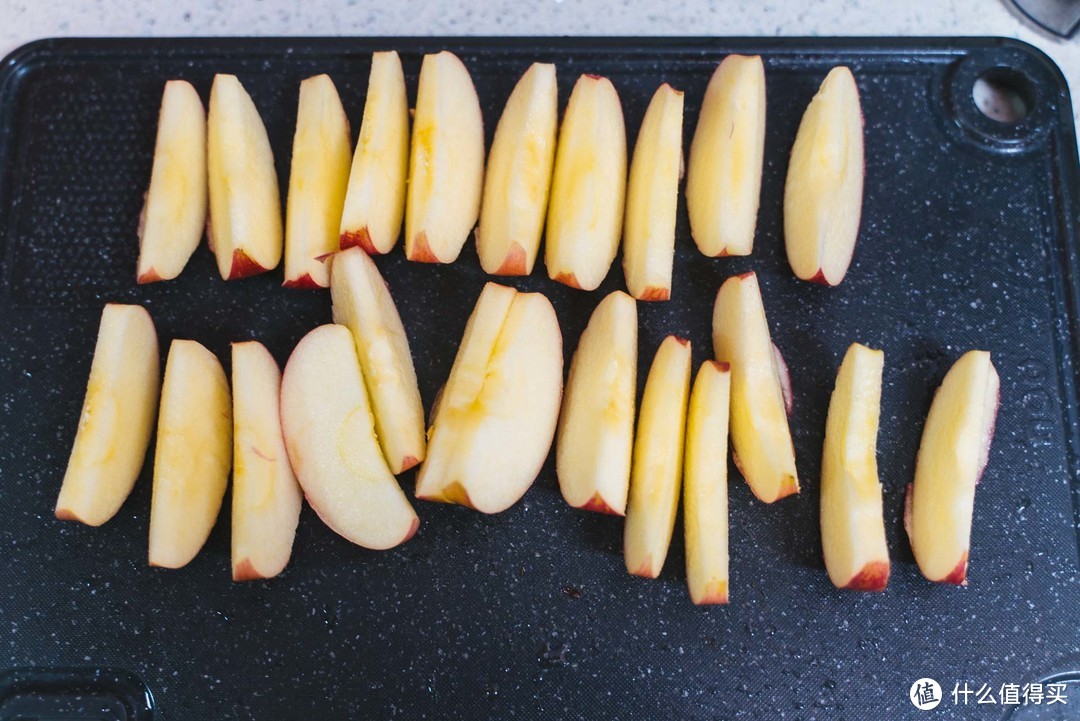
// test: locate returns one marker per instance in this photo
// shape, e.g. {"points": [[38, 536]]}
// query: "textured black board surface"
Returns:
{"points": [[968, 240]]}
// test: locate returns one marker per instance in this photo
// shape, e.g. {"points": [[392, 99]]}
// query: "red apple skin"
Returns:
{"points": [[716, 594], [645, 570], [245, 571], [361, 238], [514, 264], [874, 576], [412, 531], [958, 577], [243, 266], [408, 462], [819, 278], [788, 488], [150, 276], [597, 504], [422, 251], [304, 282], [656, 294], [568, 279]]}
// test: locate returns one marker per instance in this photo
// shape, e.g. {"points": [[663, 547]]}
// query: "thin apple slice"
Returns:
{"points": [[596, 428], [588, 186], [330, 436], [652, 197], [446, 165], [317, 181], [496, 417], [266, 497], [245, 207], [852, 527], [375, 200], [174, 215], [952, 457], [760, 435], [116, 419], [193, 454], [723, 177], [519, 175], [658, 460], [705, 491], [362, 303], [824, 189]]}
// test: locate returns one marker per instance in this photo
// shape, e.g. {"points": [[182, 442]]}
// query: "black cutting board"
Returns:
{"points": [[968, 241]]}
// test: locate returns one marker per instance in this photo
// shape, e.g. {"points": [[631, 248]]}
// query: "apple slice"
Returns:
{"points": [[446, 165], [652, 197], [760, 436], [317, 182], [116, 418], [363, 304], [174, 214], [952, 457], [596, 428], [723, 177], [245, 207], [852, 528], [824, 189], [658, 460], [705, 494], [495, 420], [375, 200], [193, 454], [266, 497], [585, 213], [330, 436], [519, 175]]}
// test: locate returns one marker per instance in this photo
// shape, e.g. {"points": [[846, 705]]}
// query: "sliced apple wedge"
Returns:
{"points": [[952, 457], [446, 164], [266, 498], [658, 460], [705, 491], [518, 175], [495, 419], [116, 419], [375, 200], [760, 435], [245, 207], [852, 528], [596, 427], [330, 436], [317, 181], [193, 454], [362, 303], [174, 215], [824, 189], [652, 197], [588, 186], [723, 177]]}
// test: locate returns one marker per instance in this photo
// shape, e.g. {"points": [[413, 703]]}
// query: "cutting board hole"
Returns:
{"points": [[1004, 95]]}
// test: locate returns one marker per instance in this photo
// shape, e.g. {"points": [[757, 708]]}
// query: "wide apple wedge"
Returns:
{"points": [[266, 498], [116, 419], [174, 216], [952, 457], [496, 417], [595, 439], [193, 454], [852, 527]]}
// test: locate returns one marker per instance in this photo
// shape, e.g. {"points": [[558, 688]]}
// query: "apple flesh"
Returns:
{"points": [[588, 187], [760, 435], [317, 182], [193, 454], [446, 165], [518, 175], [852, 527], [266, 498], [495, 420], [375, 199], [174, 215], [596, 427], [824, 189], [652, 198], [116, 419], [362, 302], [658, 460], [245, 229], [705, 490], [952, 457], [723, 177], [330, 438]]}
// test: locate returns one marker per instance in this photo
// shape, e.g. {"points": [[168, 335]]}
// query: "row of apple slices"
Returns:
{"points": [[578, 187]]}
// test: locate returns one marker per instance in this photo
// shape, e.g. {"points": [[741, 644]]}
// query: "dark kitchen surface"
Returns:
{"points": [[968, 240]]}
